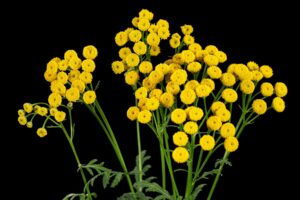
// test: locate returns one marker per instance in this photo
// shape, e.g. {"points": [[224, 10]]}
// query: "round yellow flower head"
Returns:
{"points": [[69, 54], [152, 104], [281, 89], [174, 42], [178, 116], [266, 71], [228, 79], [145, 67], [124, 52], [278, 104], [88, 65], [21, 112], [140, 48], [172, 87], [135, 35], [132, 60], [229, 95], [221, 56], [247, 86], [187, 96], [156, 93], [118, 67], [231, 144], [41, 132], [207, 142], [266, 89], [144, 13], [154, 50], [89, 97], [214, 72], [132, 112], [60, 116], [79, 84], [191, 127], [227, 130], [131, 77], [22, 120], [187, 29], [259, 106], [86, 77], [28, 107], [195, 113], [180, 155], [252, 65], [141, 92], [194, 67], [203, 90], [121, 38], [188, 40], [143, 24], [217, 105], [153, 39], [72, 94], [214, 123], [180, 138], [211, 60], [54, 100], [144, 116], [167, 99], [224, 114]]}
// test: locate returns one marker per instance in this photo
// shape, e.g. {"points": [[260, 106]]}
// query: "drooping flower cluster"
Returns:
{"points": [[192, 86], [70, 80]]}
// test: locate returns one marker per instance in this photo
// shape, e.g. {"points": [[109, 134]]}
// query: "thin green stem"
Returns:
{"points": [[140, 167], [190, 169], [77, 160]]}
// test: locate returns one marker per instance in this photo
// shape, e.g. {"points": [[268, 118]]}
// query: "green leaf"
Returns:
{"points": [[206, 174], [196, 191], [117, 179], [154, 187], [106, 178], [222, 162]]}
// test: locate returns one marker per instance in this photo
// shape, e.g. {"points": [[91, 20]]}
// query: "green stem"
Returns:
{"points": [[226, 154], [190, 169], [77, 160], [140, 167], [110, 135]]}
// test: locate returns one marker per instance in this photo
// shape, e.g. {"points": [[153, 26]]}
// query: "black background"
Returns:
{"points": [[264, 167]]}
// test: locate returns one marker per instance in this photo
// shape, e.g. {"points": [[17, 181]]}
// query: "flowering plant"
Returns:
{"points": [[194, 106]]}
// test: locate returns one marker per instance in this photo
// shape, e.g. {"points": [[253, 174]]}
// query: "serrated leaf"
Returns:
{"points": [[206, 174], [117, 179], [154, 187], [106, 178], [196, 191], [222, 161], [93, 162]]}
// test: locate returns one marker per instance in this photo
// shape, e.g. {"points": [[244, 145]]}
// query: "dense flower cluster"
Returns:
{"points": [[70, 80]]}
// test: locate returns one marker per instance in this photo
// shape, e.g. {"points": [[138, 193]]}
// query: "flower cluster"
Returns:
{"points": [[192, 86], [70, 80], [193, 102]]}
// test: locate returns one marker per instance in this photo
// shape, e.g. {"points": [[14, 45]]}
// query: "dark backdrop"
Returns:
{"points": [[263, 167]]}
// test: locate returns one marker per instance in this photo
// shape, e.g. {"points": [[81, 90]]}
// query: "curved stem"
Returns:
{"points": [[77, 160]]}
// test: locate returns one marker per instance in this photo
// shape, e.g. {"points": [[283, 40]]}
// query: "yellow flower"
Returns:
{"points": [[259, 106], [187, 29], [140, 48], [41, 132], [132, 60], [221, 56], [69, 54], [42, 111], [135, 35], [202, 90], [156, 93], [281, 89], [191, 127], [156, 76], [209, 82], [121, 38], [252, 65], [162, 23], [27, 107], [211, 49], [211, 60], [145, 67], [72, 94], [124, 52], [52, 66], [214, 72], [187, 96], [143, 24], [53, 111], [62, 77], [90, 52], [21, 112], [153, 39], [172, 88], [256, 75], [154, 50], [180, 155], [229, 95], [178, 116], [144, 116], [180, 138], [86, 77], [88, 65], [29, 124], [194, 67], [118, 67], [191, 84], [228, 79], [60, 116], [141, 93], [195, 113], [214, 123], [22, 120], [147, 83], [278, 104], [207, 142], [58, 87], [163, 67], [227, 130], [163, 33], [63, 65], [131, 77], [73, 75], [188, 39], [174, 42], [217, 105], [152, 104], [75, 63], [79, 84], [89, 97], [144, 13], [54, 100], [266, 71], [247, 86], [132, 112], [142, 103], [188, 56], [224, 114], [266, 89], [231, 144], [195, 47], [49, 75]]}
